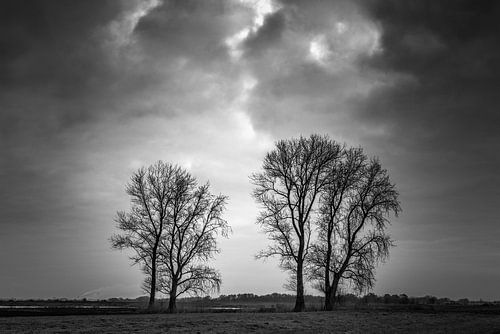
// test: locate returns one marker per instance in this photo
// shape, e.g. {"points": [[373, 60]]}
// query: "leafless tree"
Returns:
{"points": [[292, 177], [354, 210], [144, 226], [195, 221], [168, 205]]}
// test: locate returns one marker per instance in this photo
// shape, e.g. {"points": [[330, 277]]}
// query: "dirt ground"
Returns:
{"points": [[309, 322]]}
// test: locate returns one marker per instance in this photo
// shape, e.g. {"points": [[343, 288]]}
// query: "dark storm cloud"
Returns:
{"points": [[50, 41], [192, 30], [50, 64], [69, 66], [266, 36], [442, 110], [447, 57], [448, 52], [52, 51], [71, 63]]}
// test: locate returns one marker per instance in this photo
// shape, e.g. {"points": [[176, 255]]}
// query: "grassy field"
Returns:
{"points": [[342, 321]]}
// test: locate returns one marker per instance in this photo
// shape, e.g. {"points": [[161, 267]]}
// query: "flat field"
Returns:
{"points": [[342, 321]]}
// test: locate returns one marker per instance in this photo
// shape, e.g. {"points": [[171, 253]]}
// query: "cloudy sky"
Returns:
{"points": [[92, 90]]}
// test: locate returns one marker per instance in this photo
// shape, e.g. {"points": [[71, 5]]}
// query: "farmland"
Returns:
{"points": [[341, 321]]}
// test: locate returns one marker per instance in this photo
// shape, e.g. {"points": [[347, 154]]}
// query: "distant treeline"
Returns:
{"points": [[343, 299], [277, 298], [252, 298], [372, 298], [235, 298]]}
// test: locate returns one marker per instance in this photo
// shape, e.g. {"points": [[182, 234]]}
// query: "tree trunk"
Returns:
{"points": [[328, 299], [152, 290], [172, 307], [333, 290], [328, 291], [300, 305]]}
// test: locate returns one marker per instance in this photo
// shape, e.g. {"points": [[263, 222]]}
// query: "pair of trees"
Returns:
{"points": [[172, 228], [325, 208]]}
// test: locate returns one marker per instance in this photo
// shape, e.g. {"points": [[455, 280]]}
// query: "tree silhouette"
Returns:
{"points": [[195, 222], [144, 226], [352, 237], [171, 227], [288, 187]]}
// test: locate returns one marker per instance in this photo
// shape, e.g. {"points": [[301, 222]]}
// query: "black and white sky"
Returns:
{"points": [[92, 90]]}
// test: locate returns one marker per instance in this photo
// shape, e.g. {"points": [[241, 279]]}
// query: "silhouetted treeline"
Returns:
{"points": [[372, 298], [344, 299], [273, 297], [243, 298]]}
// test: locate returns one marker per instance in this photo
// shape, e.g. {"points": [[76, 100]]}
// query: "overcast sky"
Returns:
{"points": [[92, 90]]}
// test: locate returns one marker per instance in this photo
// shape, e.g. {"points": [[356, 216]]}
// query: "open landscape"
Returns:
{"points": [[247, 313], [340, 321], [249, 166]]}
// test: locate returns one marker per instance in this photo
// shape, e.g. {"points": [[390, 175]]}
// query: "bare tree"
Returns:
{"points": [[172, 228], [352, 237], [292, 177], [144, 226], [195, 221]]}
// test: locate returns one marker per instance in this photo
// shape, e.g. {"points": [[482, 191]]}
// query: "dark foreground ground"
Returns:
{"points": [[342, 321]]}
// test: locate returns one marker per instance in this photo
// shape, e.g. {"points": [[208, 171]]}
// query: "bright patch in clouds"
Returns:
{"points": [[240, 109], [260, 8], [121, 30], [318, 49], [234, 42], [339, 47], [341, 27]]}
